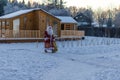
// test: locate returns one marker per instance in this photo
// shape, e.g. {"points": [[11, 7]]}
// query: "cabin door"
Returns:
{"points": [[16, 25]]}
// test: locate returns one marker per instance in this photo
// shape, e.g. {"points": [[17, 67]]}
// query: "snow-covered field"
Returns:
{"points": [[89, 59]]}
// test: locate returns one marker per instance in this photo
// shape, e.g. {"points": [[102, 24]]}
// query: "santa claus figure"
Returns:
{"points": [[49, 39]]}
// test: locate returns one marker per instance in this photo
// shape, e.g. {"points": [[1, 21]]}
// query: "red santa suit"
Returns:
{"points": [[49, 39]]}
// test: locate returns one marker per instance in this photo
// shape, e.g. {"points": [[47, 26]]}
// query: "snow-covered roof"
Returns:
{"points": [[14, 14], [17, 13], [66, 19]]}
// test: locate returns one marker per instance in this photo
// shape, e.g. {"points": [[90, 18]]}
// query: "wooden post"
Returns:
{"points": [[1, 28]]}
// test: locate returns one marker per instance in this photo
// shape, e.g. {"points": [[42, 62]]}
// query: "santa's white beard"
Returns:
{"points": [[50, 32]]}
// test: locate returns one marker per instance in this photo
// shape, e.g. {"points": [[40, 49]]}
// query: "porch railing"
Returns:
{"points": [[20, 34], [75, 33], [37, 34]]}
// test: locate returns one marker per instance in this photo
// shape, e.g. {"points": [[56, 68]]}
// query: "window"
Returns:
{"points": [[43, 21], [80, 16], [30, 20], [67, 27], [76, 17], [25, 22], [7, 25], [0, 25], [55, 29], [25, 19], [47, 20], [3, 24], [62, 26]]}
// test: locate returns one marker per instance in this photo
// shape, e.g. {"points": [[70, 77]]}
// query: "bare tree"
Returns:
{"points": [[73, 10]]}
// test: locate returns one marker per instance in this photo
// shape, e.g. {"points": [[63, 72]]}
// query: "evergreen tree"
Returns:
{"points": [[89, 14], [2, 4], [62, 4], [117, 19], [8, 8], [55, 3], [59, 12], [23, 2], [109, 23], [29, 5], [14, 6]]}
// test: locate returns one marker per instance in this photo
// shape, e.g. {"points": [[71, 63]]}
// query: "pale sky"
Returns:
{"points": [[93, 3]]}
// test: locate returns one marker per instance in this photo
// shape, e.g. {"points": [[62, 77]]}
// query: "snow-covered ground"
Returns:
{"points": [[89, 59]]}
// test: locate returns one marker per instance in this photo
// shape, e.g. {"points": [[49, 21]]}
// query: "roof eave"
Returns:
{"points": [[68, 22]]}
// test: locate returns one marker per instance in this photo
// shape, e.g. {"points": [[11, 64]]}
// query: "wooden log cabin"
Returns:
{"points": [[28, 24], [31, 24]]}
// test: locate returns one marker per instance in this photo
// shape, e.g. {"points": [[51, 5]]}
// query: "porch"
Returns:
{"points": [[35, 35]]}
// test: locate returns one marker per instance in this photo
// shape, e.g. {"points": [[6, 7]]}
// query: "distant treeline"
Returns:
{"points": [[101, 31]]}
